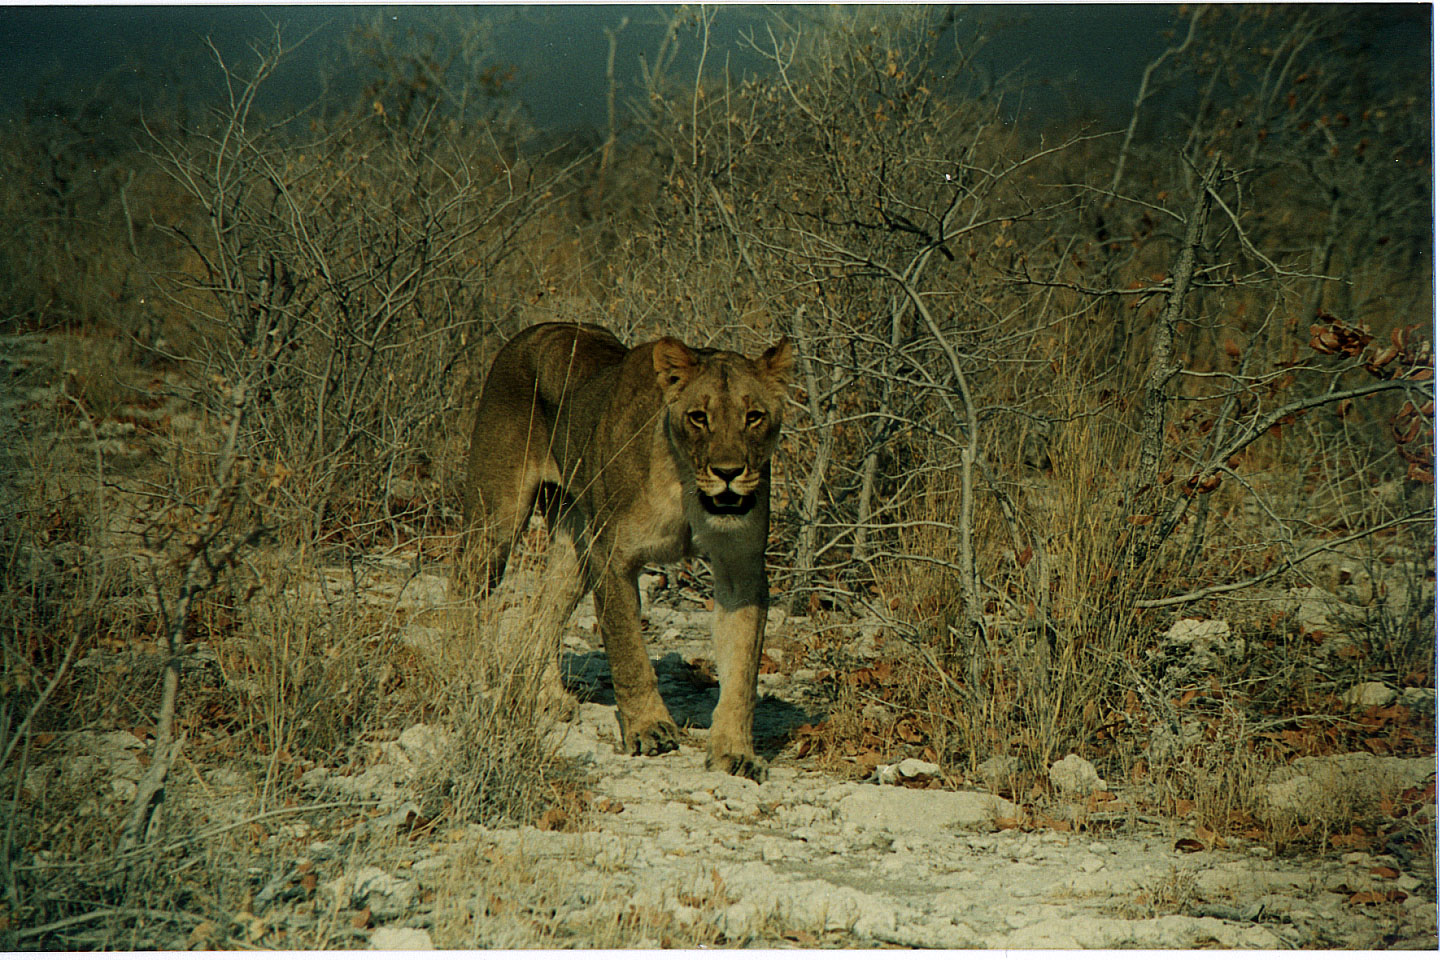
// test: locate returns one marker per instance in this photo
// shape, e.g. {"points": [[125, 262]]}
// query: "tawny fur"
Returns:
{"points": [[647, 455]]}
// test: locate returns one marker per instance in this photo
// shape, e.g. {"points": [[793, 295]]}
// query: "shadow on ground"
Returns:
{"points": [[690, 693]]}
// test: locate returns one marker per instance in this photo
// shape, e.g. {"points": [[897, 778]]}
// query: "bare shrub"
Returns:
{"points": [[498, 691], [345, 270], [1052, 392]]}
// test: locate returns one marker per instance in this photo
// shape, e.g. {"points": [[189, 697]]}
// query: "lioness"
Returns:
{"points": [[658, 452]]}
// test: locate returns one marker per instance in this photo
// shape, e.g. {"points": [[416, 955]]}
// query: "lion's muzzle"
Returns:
{"points": [[727, 491]]}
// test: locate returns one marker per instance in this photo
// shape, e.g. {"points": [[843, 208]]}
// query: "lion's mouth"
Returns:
{"points": [[726, 503]]}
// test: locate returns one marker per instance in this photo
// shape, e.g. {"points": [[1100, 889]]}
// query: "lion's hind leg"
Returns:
{"points": [[561, 586], [505, 474]]}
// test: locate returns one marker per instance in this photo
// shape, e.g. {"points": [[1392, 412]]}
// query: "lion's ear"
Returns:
{"points": [[674, 364], [779, 360]]}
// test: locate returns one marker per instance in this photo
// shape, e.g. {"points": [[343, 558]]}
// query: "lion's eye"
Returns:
{"points": [[697, 419], [754, 418]]}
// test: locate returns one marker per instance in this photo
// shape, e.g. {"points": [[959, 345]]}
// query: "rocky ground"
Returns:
{"points": [[669, 854], [808, 859], [660, 852]]}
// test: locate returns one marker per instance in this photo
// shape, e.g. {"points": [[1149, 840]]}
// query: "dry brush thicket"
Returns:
{"points": [[1055, 392]]}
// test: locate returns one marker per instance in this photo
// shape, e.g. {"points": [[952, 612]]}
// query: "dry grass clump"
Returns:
{"points": [[498, 692]]}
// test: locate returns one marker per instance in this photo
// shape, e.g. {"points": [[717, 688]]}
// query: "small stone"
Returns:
{"points": [[908, 769], [900, 810], [1198, 632], [400, 938], [1075, 775], [1370, 694]]}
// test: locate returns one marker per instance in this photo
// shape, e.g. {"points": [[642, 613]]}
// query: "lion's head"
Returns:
{"points": [[723, 414]]}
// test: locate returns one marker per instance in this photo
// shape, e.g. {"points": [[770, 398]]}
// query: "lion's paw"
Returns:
{"points": [[738, 765], [653, 739]]}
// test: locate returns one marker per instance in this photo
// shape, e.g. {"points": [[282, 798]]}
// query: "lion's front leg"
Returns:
{"points": [[646, 727], [741, 602]]}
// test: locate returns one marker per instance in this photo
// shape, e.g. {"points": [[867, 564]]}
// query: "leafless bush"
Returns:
{"points": [[344, 271], [330, 280], [978, 313]]}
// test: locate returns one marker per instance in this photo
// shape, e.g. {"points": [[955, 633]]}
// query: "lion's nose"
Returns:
{"points": [[727, 474]]}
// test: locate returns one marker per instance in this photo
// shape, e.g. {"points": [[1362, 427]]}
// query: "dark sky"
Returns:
{"points": [[1091, 53]]}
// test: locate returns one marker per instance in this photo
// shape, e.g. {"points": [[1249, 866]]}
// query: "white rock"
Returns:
{"points": [[386, 896], [400, 938], [1199, 632], [1369, 694], [1314, 780], [1165, 742], [907, 769], [423, 742], [1318, 610], [1076, 775], [900, 810]]}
